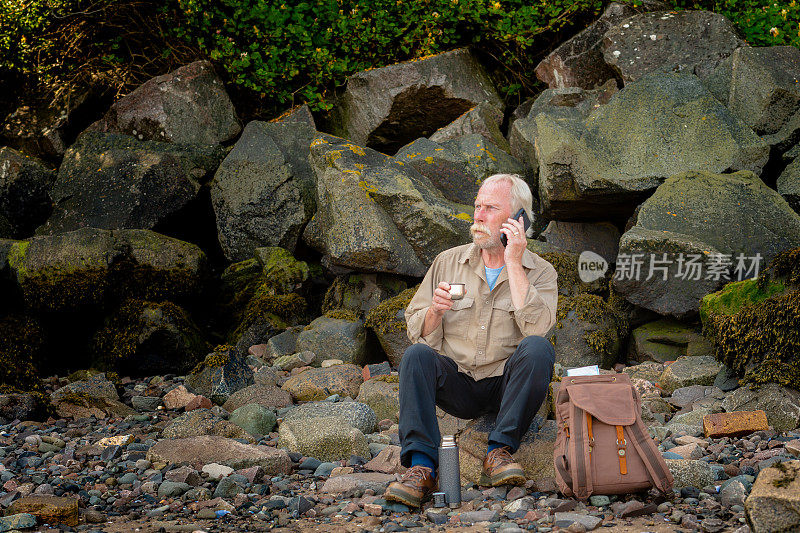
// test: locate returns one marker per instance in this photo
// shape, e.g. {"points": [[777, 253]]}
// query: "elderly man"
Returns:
{"points": [[483, 353]]}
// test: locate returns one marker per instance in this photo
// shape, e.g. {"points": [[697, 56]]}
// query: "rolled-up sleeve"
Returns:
{"points": [[418, 308], [538, 314]]}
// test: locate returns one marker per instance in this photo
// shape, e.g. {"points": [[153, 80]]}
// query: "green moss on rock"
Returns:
{"points": [[142, 334], [734, 296], [594, 310], [754, 324], [281, 310], [384, 317], [59, 291], [220, 358], [281, 270], [342, 314]]}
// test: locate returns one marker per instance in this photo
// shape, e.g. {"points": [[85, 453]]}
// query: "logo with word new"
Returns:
{"points": [[591, 266]]}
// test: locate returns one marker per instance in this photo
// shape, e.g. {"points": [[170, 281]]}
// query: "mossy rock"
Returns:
{"points": [[335, 338], [667, 340], [278, 311], [148, 338], [566, 264], [220, 374], [361, 293], [754, 324], [88, 268], [281, 270], [587, 332], [388, 322], [63, 272]]}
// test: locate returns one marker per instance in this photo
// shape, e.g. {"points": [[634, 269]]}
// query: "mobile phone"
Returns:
{"points": [[526, 222]]}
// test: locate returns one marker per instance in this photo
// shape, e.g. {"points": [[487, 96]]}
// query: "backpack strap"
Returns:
{"points": [[656, 467], [582, 483], [563, 476]]}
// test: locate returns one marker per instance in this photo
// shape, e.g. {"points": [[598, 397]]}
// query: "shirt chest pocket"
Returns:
{"points": [[503, 326], [456, 321]]}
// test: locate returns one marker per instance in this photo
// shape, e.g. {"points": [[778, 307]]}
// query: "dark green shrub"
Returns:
{"points": [[302, 51], [761, 22]]}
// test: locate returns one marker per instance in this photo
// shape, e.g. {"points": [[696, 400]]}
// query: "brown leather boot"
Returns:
{"points": [[499, 468], [413, 488]]}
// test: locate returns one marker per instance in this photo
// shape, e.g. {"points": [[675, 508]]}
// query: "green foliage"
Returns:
{"points": [[302, 50], [277, 54], [762, 23]]}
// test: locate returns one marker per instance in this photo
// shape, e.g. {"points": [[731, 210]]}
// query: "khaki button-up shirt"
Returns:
{"points": [[482, 330]]}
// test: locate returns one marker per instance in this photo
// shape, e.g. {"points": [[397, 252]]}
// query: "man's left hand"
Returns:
{"points": [[517, 241]]}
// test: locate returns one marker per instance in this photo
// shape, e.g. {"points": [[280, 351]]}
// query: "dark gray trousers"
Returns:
{"points": [[428, 379]]}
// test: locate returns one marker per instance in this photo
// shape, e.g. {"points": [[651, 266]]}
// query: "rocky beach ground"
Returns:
{"points": [[174, 462]]}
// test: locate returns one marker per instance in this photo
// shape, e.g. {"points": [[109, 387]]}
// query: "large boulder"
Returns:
{"points": [[147, 338], [458, 167], [388, 322], [564, 103], [376, 214], [567, 265], [601, 238], [535, 452], [781, 404], [335, 338], [320, 383], [260, 296], [385, 108], [187, 105], [788, 185], [357, 415], [221, 374], [666, 340], [587, 332], [661, 125], [263, 192], [45, 127], [361, 293], [774, 501], [206, 449], [325, 438], [82, 268], [578, 61], [24, 192], [484, 119], [382, 395], [673, 243], [670, 41], [759, 85], [114, 181]]}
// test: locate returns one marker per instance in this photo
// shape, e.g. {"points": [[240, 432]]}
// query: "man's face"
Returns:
{"points": [[492, 209]]}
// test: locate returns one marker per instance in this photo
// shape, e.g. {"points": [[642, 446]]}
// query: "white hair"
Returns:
{"points": [[521, 197]]}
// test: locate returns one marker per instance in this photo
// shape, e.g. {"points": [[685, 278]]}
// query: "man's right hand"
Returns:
{"points": [[441, 299]]}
